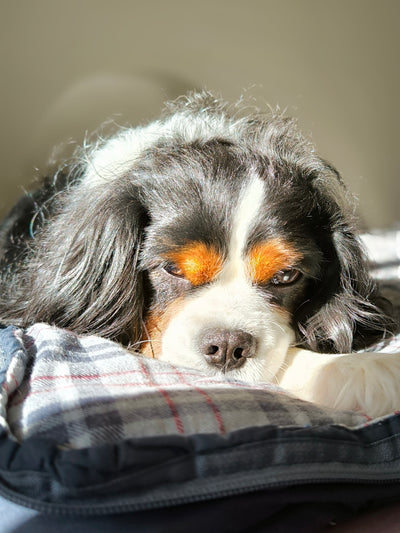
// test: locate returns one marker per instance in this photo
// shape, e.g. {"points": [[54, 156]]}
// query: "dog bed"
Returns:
{"points": [[88, 429]]}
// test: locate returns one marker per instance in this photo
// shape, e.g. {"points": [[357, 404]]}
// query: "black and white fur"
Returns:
{"points": [[88, 252]]}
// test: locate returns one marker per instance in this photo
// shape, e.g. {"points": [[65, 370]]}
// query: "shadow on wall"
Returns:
{"points": [[75, 117]]}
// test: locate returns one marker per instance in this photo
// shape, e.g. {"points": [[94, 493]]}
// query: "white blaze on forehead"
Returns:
{"points": [[249, 205]]}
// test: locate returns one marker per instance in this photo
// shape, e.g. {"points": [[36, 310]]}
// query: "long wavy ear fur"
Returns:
{"points": [[353, 317], [83, 274]]}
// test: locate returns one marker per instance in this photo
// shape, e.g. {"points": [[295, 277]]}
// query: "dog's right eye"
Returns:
{"points": [[173, 270], [286, 277]]}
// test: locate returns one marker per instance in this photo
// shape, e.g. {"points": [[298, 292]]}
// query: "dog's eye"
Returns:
{"points": [[286, 277], [173, 270]]}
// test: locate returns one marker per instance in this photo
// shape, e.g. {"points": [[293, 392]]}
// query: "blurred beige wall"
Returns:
{"points": [[68, 66]]}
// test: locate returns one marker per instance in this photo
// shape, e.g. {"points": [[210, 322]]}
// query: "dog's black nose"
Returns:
{"points": [[227, 349]]}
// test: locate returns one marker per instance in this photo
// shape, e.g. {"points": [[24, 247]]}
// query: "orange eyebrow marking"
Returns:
{"points": [[200, 263], [269, 257]]}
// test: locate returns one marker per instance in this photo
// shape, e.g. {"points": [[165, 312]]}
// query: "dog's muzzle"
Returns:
{"points": [[227, 349]]}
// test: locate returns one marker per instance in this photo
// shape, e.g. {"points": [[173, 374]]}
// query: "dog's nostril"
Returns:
{"points": [[211, 350], [238, 354], [227, 349]]}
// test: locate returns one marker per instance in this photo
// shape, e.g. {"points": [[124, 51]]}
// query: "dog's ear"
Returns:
{"points": [[349, 314], [85, 275]]}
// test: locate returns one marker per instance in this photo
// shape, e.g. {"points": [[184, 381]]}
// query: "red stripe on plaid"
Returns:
{"points": [[216, 411], [33, 334], [207, 397], [101, 375], [83, 376], [167, 398], [73, 386], [208, 381], [6, 385]]}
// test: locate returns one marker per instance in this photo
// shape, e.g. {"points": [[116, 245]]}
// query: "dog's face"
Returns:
{"points": [[202, 239], [234, 254]]}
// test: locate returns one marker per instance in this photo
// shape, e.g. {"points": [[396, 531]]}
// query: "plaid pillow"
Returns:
{"points": [[81, 391]]}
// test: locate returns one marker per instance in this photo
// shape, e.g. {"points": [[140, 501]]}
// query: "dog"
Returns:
{"points": [[211, 238]]}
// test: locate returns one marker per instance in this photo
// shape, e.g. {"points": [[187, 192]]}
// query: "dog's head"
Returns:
{"points": [[210, 241]]}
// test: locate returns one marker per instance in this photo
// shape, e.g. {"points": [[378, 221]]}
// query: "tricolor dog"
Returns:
{"points": [[210, 239]]}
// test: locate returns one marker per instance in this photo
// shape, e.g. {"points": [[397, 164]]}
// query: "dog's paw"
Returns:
{"points": [[368, 383]]}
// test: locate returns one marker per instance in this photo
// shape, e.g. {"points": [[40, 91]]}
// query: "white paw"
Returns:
{"points": [[367, 382]]}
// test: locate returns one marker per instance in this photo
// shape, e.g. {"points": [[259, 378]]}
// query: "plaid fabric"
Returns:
{"points": [[84, 391]]}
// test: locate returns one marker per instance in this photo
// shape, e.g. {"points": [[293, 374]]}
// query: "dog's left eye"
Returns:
{"points": [[286, 277], [173, 270]]}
